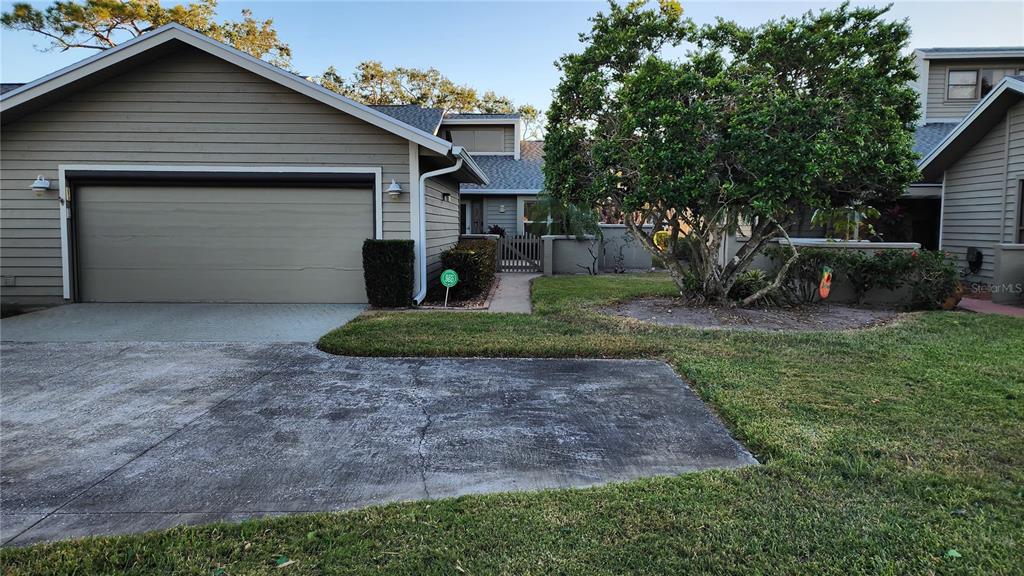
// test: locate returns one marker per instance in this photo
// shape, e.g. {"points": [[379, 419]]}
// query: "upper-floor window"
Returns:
{"points": [[962, 85], [478, 139], [974, 84]]}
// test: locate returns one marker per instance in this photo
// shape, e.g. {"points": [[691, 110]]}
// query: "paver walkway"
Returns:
{"points": [[513, 293], [988, 307]]}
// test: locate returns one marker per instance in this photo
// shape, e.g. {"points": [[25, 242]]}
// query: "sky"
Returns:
{"points": [[508, 47]]}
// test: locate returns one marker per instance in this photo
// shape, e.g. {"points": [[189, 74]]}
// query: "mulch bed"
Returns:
{"points": [[810, 317], [435, 299]]}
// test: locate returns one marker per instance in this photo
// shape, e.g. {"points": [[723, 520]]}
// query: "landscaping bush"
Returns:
{"points": [[748, 283], [931, 275], [388, 272], [495, 229], [474, 261]]}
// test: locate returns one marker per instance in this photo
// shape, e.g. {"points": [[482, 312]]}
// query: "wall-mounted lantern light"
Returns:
{"points": [[40, 185], [501, 208], [394, 190], [445, 197]]}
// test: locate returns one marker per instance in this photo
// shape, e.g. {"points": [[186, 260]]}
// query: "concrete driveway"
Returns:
{"points": [[103, 438], [178, 323]]}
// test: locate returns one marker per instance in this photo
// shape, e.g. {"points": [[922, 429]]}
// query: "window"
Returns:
{"points": [[528, 212], [962, 85], [974, 84], [989, 78]]}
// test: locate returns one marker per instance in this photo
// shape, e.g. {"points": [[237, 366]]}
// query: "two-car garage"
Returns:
{"points": [[201, 241]]}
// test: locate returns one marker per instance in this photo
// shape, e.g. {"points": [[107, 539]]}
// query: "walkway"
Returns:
{"points": [[988, 307], [513, 293]]}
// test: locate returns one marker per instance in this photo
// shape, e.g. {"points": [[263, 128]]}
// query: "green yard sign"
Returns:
{"points": [[449, 278]]}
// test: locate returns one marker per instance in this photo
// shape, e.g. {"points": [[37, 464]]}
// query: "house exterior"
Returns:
{"points": [[176, 168], [981, 166]]}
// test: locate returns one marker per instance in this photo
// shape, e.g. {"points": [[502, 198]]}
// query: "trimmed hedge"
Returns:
{"points": [[388, 272], [474, 261], [931, 275]]}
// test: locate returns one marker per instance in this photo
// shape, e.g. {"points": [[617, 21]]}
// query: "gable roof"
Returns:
{"points": [[174, 32], [973, 127], [8, 86], [481, 116], [426, 119], [507, 174]]}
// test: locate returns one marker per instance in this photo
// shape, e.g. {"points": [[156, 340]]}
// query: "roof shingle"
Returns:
{"points": [[507, 173], [928, 136], [426, 119]]}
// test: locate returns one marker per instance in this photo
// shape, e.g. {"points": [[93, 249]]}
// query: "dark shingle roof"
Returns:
{"points": [[426, 119], [507, 173], [928, 136], [480, 116], [7, 87]]}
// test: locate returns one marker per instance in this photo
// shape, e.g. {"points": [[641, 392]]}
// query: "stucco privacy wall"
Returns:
{"points": [[442, 222], [185, 108], [979, 207]]}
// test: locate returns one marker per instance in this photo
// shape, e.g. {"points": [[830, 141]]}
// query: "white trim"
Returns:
{"points": [[414, 210], [467, 214], [64, 169], [942, 208], [1005, 84], [979, 53], [493, 154], [1006, 175], [178, 32], [518, 138]]}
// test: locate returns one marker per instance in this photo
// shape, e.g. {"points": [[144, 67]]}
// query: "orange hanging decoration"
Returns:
{"points": [[826, 283]]}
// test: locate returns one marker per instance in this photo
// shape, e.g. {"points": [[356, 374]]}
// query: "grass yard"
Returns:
{"points": [[896, 450]]}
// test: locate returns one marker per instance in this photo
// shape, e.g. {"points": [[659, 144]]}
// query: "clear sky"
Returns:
{"points": [[508, 47]]}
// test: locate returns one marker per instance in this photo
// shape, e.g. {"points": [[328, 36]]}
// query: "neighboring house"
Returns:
{"points": [[176, 168], [981, 166]]}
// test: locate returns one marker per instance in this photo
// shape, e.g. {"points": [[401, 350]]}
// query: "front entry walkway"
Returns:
{"points": [[178, 323], [513, 293], [989, 307], [103, 438]]}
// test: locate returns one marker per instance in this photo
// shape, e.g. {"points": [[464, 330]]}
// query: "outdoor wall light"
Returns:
{"points": [[501, 208], [40, 185], [445, 197], [394, 190]]}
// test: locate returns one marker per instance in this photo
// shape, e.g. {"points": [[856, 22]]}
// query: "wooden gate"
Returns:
{"points": [[519, 253]]}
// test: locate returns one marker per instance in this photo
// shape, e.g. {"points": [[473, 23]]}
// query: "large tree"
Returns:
{"points": [[102, 24], [375, 84], [754, 124]]}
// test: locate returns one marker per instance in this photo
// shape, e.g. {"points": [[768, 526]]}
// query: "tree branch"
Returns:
{"points": [[779, 278]]}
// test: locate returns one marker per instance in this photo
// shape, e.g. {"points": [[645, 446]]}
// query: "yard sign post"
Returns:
{"points": [[449, 278]]}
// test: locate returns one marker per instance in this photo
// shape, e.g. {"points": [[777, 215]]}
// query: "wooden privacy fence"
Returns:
{"points": [[519, 253]]}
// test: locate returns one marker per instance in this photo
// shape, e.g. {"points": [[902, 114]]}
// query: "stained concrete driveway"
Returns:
{"points": [[103, 438], [143, 322]]}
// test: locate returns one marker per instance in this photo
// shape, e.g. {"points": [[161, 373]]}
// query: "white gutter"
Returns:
{"points": [[421, 241]]}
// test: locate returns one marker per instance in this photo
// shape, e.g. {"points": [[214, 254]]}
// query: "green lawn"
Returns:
{"points": [[896, 450]]}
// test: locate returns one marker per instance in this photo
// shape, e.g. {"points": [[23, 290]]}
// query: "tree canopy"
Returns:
{"points": [[102, 24], [755, 123], [375, 84]]}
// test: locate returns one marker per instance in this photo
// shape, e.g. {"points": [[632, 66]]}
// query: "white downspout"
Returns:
{"points": [[421, 241]]}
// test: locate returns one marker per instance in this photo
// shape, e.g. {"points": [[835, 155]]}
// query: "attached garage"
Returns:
{"points": [[190, 242], [173, 168]]}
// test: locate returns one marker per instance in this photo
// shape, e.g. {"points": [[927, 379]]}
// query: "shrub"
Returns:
{"points": [[495, 229], [933, 278], [747, 283], [388, 272], [474, 261]]}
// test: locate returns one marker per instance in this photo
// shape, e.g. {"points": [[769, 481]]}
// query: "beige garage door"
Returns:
{"points": [[186, 243]]}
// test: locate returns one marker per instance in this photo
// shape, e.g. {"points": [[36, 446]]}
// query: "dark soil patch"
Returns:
{"points": [[811, 317]]}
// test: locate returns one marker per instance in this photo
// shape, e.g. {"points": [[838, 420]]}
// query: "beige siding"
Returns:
{"points": [[980, 199], [442, 222], [939, 107], [482, 138], [187, 108]]}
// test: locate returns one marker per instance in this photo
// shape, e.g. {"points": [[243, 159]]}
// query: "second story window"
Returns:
{"points": [[963, 85], [989, 79]]}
